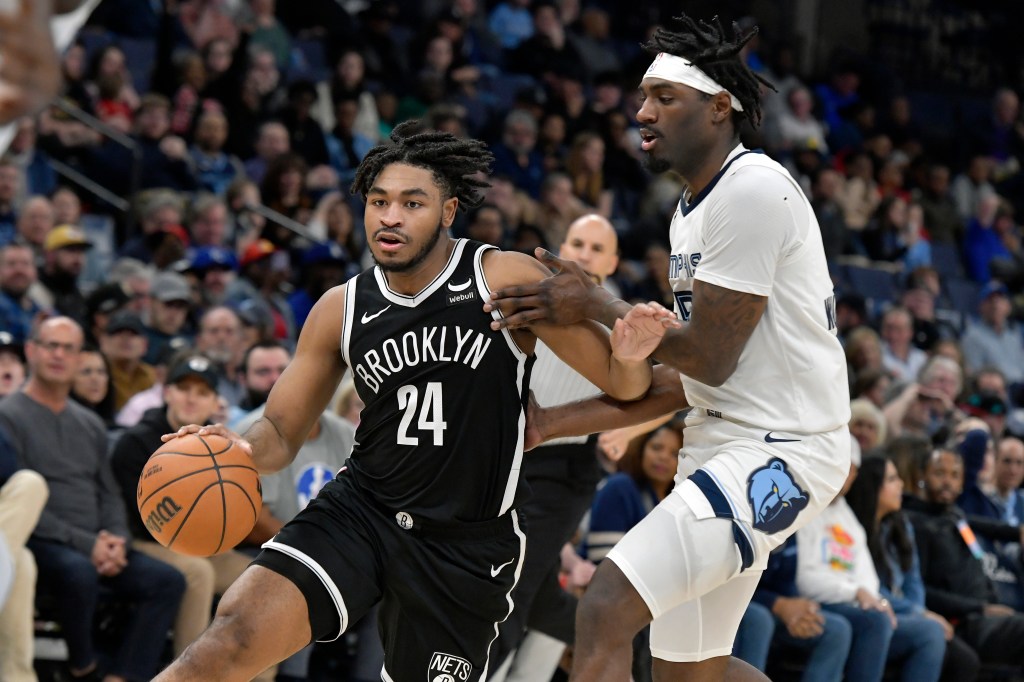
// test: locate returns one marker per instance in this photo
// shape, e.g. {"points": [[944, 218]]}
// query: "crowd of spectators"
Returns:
{"points": [[201, 208]]}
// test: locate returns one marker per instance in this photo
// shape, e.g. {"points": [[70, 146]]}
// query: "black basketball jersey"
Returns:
{"points": [[441, 435]]}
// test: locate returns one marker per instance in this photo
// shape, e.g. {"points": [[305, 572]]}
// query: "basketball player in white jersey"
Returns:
{"points": [[33, 34], [766, 446]]}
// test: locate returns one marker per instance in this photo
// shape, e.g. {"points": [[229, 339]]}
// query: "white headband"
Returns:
{"points": [[676, 69]]}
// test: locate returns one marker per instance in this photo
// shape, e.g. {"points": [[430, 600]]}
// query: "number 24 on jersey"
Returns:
{"points": [[431, 413]]}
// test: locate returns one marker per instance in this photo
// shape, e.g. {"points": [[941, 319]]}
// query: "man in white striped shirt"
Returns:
{"points": [[562, 474]]}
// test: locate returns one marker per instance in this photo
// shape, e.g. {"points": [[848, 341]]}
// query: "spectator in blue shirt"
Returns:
{"points": [[17, 274]]}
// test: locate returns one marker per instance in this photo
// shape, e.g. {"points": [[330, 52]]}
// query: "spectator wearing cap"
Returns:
{"points": [[264, 269], [214, 168], [209, 221], [214, 269], [169, 307], [189, 397], [138, 404], [220, 338], [17, 275], [993, 338], [159, 211], [124, 343], [104, 301], [324, 266], [12, 364], [35, 220], [57, 289]]}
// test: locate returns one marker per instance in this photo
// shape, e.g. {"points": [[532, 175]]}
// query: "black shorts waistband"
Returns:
{"points": [[415, 522]]}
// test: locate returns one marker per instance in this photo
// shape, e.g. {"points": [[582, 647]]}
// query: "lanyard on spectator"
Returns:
{"points": [[969, 538]]}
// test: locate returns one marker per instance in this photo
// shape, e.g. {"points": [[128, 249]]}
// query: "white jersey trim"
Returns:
{"points": [[484, 290], [508, 595], [435, 284], [348, 319]]}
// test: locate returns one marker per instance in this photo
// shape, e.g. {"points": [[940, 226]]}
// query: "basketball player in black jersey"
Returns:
{"points": [[423, 516]]}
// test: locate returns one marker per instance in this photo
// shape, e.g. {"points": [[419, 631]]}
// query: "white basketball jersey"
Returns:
{"points": [[753, 230]]}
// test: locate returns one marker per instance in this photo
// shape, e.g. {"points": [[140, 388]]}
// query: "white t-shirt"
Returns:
{"points": [[753, 230]]}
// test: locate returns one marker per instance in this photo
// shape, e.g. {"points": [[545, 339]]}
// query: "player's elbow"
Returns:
{"points": [[716, 374]]}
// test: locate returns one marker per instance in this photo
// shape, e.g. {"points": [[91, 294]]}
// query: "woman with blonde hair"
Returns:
{"points": [[867, 424]]}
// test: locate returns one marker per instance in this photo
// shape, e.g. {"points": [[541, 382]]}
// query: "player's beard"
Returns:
{"points": [[416, 259], [656, 165]]}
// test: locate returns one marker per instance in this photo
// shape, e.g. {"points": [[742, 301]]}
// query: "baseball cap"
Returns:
{"points": [[992, 288], [980, 404], [258, 250], [325, 252], [194, 366], [106, 299], [66, 236], [126, 320], [170, 286], [213, 258], [9, 343]]}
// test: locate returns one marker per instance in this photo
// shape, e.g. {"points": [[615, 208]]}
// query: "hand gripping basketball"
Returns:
{"points": [[199, 493]]}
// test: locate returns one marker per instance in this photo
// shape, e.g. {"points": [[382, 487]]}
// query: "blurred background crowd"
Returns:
{"points": [[186, 199]]}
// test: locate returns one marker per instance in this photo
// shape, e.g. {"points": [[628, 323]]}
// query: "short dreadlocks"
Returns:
{"points": [[452, 161], [704, 45]]}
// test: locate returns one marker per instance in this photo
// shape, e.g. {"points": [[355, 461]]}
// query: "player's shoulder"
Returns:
{"points": [[508, 268], [757, 174]]}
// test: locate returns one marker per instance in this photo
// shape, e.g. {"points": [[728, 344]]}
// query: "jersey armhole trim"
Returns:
{"points": [[348, 319], [485, 295]]}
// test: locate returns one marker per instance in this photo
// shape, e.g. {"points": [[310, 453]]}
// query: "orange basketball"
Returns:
{"points": [[199, 495]]}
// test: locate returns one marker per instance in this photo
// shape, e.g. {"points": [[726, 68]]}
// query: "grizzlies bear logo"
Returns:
{"points": [[775, 497]]}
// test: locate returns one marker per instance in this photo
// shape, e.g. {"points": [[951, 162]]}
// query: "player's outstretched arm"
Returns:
{"points": [[624, 373], [304, 389], [29, 65], [300, 395], [602, 413], [568, 297]]}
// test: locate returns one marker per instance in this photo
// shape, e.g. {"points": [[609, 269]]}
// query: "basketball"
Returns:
{"points": [[199, 495]]}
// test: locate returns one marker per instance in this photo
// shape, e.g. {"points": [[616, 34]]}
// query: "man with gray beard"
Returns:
{"points": [[220, 338]]}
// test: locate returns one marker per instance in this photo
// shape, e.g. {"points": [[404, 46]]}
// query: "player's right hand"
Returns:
{"points": [[209, 430]]}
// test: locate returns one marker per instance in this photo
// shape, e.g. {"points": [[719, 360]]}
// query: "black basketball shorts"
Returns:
{"points": [[443, 589]]}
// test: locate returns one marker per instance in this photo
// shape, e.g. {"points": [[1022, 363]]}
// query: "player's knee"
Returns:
{"points": [[231, 635], [611, 603]]}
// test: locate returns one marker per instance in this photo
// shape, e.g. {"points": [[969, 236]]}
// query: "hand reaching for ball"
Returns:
{"points": [[209, 430]]}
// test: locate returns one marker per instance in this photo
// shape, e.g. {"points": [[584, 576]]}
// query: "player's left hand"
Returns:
{"points": [[635, 336]]}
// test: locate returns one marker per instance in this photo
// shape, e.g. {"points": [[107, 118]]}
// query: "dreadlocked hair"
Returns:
{"points": [[704, 45], [452, 161]]}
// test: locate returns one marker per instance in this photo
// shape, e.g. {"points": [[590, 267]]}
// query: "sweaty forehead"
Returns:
{"points": [[403, 178]]}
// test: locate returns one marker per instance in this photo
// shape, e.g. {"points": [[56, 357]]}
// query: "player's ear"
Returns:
{"points": [[721, 107], [448, 210]]}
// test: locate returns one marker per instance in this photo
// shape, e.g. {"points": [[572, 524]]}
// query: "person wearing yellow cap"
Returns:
{"points": [[64, 252]]}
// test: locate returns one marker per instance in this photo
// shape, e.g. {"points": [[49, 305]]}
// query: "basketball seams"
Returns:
{"points": [[191, 473], [210, 527]]}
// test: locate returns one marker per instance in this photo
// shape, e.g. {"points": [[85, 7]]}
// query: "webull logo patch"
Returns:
{"points": [[448, 668], [164, 511]]}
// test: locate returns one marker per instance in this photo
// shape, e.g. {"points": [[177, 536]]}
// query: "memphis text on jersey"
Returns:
{"points": [[429, 344]]}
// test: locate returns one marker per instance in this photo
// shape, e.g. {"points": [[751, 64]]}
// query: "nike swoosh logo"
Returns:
{"points": [[367, 317], [460, 287], [496, 571], [768, 439]]}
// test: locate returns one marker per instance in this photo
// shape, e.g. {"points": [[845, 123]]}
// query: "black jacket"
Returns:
{"points": [[131, 453], [955, 581]]}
